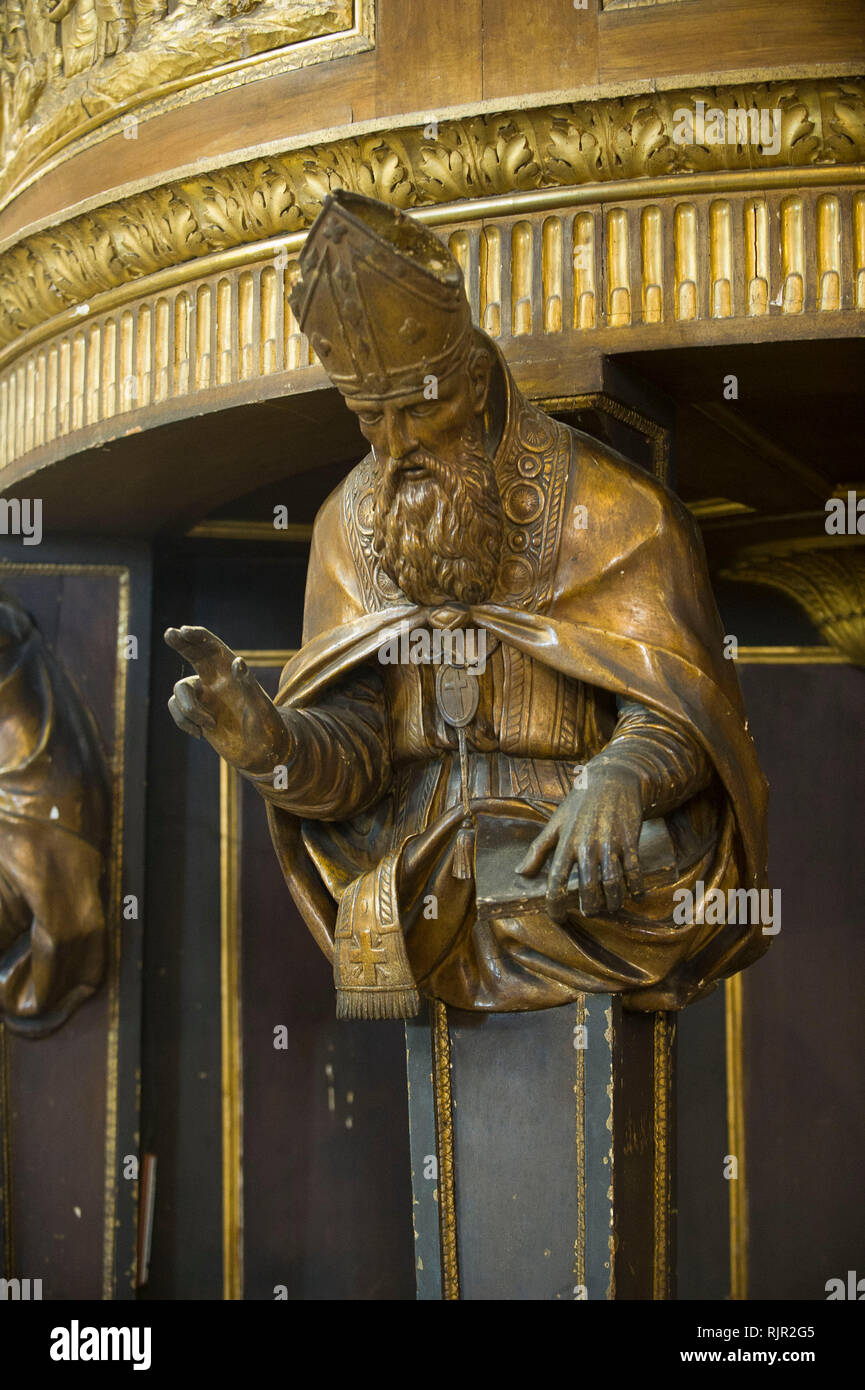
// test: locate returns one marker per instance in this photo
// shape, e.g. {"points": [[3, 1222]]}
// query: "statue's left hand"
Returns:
{"points": [[226, 704], [598, 829]]}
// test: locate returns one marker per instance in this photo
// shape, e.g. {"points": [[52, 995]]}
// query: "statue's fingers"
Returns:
{"points": [[633, 872], [589, 860], [538, 850], [612, 880], [557, 878], [188, 640], [202, 649], [180, 719], [188, 693]]}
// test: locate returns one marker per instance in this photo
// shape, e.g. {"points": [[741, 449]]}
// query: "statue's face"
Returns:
{"points": [[437, 526], [409, 426]]}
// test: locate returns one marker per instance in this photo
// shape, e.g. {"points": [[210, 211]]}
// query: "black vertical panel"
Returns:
{"points": [[327, 1203], [326, 1170], [249, 605], [804, 1020], [703, 1195], [634, 1151], [518, 1098], [424, 1156], [515, 1144], [181, 1032]]}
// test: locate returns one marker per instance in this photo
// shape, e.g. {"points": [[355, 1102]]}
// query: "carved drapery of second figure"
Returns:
{"points": [[54, 827], [500, 835]]}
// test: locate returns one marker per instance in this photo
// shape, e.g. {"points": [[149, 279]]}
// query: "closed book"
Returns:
{"points": [[502, 843]]}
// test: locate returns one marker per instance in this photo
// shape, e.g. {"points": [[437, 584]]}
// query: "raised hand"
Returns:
{"points": [[224, 702], [598, 829]]}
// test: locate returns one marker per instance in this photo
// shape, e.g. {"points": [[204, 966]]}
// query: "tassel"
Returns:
{"points": [[377, 1003], [464, 850]]}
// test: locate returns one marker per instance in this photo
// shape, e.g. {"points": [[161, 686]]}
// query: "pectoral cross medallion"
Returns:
{"points": [[457, 695]]}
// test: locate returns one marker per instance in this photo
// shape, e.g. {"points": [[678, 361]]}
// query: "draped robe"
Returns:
{"points": [[602, 629]]}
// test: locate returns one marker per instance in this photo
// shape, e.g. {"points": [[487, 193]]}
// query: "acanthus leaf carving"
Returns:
{"points": [[822, 122]]}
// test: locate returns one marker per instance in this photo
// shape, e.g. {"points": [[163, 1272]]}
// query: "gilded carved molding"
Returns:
{"points": [[587, 143], [222, 327], [71, 68], [443, 1100], [827, 581]]}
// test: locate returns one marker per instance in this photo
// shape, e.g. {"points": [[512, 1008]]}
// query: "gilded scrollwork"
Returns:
{"points": [[822, 122]]}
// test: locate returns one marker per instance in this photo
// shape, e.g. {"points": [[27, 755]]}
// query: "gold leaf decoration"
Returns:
{"points": [[822, 122], [70, 66]]}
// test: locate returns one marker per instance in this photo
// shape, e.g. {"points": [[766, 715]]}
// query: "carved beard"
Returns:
{"points": [[440, 537]]}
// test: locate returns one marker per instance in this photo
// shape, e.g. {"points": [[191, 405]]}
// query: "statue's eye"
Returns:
{"points": [[370, 417], [423, 408]]}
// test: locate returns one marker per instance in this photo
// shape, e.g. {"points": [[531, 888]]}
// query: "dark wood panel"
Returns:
{"points": [[428, 57], [732, 35], [515, 1146], [327, 1211], [326, 1168], [804, 1022], [73, 1095], [538, 48], [703, 1207]]}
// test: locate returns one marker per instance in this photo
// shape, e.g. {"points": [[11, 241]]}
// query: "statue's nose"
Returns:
{"points": [[399, 441]]}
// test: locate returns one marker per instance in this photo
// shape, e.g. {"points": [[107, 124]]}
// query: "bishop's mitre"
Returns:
{"points": [[380, 298]]}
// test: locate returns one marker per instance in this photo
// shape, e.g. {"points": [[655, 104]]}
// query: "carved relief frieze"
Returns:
{"points": [[69, 68]]}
